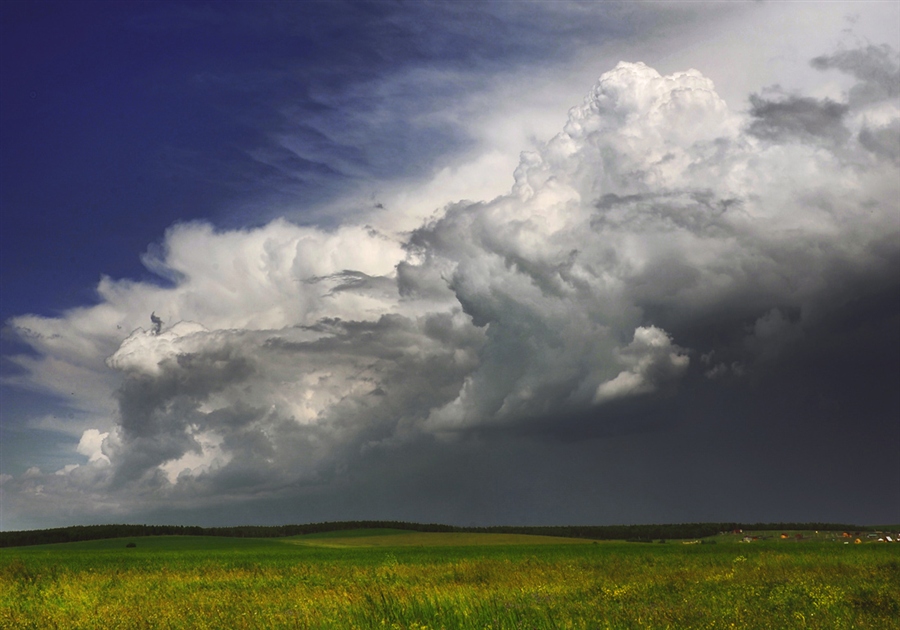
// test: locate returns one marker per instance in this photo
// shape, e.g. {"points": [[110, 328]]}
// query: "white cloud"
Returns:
{"points": [[652, 361], [91, 446], [143, 352]]}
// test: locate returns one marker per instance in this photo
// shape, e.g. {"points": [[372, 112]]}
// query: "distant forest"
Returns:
{"points": [[640, 533]]}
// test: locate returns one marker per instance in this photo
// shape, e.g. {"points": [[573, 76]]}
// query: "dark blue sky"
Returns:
{"points": [[119, 119], [676, 310]]}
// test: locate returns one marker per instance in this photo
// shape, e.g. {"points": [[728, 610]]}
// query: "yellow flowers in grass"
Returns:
{"points": [[271, 584]]}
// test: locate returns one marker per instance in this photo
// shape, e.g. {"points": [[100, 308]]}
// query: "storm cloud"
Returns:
{"points": [[662, 253]]}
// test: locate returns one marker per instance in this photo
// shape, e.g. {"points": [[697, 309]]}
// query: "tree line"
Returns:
{"points": [[597, 532]]}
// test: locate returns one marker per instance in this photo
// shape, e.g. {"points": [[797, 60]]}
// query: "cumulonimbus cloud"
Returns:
{"points": [[656, 208]]}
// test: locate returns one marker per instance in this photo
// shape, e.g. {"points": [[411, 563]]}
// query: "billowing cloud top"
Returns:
{"points": [[660, 234]]}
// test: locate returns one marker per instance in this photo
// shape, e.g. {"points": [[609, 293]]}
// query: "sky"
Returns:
{"points": [[476, 263]]}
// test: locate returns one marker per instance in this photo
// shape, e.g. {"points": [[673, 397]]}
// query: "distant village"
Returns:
{"points": [[845, 537]]}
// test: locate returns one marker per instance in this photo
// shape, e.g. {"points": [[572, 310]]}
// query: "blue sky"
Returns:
{"points": [[416, 261]]}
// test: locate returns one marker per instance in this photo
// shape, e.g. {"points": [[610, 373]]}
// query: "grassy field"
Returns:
{"points": [[400, 579]]}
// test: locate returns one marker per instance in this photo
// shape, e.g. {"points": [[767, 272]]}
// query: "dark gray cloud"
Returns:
{"points": [[877, 69], [157, 411], [798, 117], [884, 141], [368, 381]]}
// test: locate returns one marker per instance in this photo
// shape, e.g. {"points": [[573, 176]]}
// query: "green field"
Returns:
{"points": [[411, 580]]}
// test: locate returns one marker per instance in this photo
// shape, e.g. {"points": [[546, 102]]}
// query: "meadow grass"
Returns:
{"points": [[447, 581]]}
